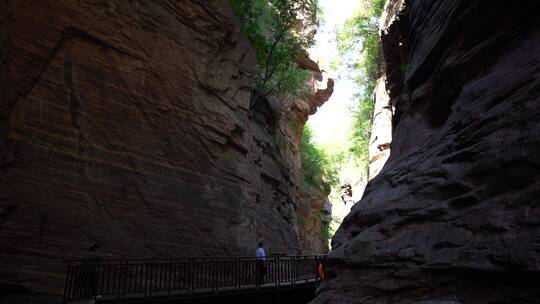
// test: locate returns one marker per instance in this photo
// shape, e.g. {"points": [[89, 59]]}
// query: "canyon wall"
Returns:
{"points": [[314, 209], [127, 124], [453, 216], [314, 212]]}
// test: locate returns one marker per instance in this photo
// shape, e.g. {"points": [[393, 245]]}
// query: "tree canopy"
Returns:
{"points": [[320, 168], [278, 30], [359, 43]]}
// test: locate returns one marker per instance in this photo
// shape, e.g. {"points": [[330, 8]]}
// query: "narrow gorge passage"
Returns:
{"points": [[270, 151]]}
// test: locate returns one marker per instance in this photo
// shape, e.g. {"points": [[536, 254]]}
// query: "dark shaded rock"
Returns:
{"points": [[453, 215]]}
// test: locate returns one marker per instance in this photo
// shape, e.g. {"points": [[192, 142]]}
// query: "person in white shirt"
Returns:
{"points": [[261, 255], [261, 263]]}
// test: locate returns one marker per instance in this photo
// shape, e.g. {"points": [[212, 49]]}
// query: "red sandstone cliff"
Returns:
{"points": [[126, 123], [453, 217]]}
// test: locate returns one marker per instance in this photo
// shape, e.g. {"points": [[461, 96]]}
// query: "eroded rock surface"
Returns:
{"points": [[381, 129], [453, 217], [126, 123], [314, 211]]}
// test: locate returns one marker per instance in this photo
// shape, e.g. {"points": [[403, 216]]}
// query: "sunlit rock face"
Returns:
{"points": [[126, 123], [453, 217], [312, 203], [381, 131], [313, 210]]}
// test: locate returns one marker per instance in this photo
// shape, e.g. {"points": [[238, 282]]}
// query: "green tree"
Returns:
{"points": [[319, 167], [278, 30], [359, 43]]}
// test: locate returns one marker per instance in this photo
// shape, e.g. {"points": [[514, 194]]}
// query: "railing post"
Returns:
{"points": [[150, 283], [115, 275], [191, 278], [66, 282], [82, 282], [147, 266], [170, 272], [238, 277], [287, 267], [104, 281], [215, 276], [119, 270], [233, 273], [124, 278], [127, 280], [277, 270], [305, 268], [274, 271], [258, 273], [295, 269]]}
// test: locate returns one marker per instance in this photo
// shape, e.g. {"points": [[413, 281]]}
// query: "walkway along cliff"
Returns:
{"points": [[126, 123], [453, 216]]}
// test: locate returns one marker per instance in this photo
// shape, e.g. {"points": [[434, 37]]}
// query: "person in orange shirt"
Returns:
{"points": [[321, 271]]}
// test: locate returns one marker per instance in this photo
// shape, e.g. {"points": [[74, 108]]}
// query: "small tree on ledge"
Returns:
{"points": [[277, 31]]}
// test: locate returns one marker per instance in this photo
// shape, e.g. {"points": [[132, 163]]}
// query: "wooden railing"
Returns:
{"points": [[148, 278]]}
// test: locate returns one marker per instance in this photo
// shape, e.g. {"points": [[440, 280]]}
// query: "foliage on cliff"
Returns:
{"points": [[359, 44], [320, 168], [329, 229], [278, 31]]}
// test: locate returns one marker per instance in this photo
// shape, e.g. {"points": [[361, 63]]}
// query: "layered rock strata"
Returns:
{"points": [[453, 217], [314, 213], [314, 210], [127, 124], [381, 130]]}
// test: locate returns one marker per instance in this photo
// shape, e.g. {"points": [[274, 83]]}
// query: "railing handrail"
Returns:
{"points": [[186, 258], [117, 278]]}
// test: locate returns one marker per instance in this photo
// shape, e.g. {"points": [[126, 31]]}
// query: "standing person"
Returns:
{"points": [[261, 263], [321, 271], [92, 254], [89, 271]]}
